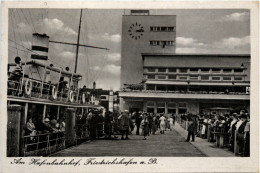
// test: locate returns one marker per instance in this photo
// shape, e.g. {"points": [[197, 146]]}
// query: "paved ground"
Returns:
{"points": [[209, 149], [171, 144]]}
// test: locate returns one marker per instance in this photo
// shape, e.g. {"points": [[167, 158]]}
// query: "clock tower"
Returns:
{"points": [[143, 32]]}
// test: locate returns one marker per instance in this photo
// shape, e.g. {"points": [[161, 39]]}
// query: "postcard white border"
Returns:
{"points": [[166, 164]]}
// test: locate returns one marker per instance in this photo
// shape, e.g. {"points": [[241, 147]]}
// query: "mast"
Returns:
{"points": [[77, 50]]}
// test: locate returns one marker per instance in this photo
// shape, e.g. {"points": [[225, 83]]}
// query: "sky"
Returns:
{"points": [[198, 31]]}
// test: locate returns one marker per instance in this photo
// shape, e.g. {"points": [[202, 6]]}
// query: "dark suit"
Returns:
{"points": [[191, 130], [240, 136], [138, 120]]}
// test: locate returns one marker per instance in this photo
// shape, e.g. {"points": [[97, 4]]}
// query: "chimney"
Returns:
{"points": [[40, 47], [94, 85]]}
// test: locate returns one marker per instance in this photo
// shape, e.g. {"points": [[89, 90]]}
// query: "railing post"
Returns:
{"points": [[70, 127], [13, 130]]}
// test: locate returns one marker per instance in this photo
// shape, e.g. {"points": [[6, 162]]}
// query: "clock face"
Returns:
{"points": [[136, 31]]}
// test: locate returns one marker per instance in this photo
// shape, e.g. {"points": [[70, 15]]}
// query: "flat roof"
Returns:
{"points": [[194, 54]]}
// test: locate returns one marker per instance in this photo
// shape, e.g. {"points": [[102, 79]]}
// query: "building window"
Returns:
{"points": [[215, 78], [183, 77], [162, 70], [161, 43], [238, 70], [182, 108], [173, 77], [150, 107], [183, 70], [204, 70], [216, 70], [226, 77], [150, 104], [194, 77], [162, 28], [239, 78], [227, 70], [204, 77], [160, 107], [194, 70], [161, 77], [161, 87], [150, 76], [172, 108], [150, 87], [151, 70], [172, 70]]}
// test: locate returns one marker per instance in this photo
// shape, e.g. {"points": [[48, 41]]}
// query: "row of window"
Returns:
{"points": [[194, 70], [195, 77], [162, 28], [161, 43], [172, 107], [170, 104]]}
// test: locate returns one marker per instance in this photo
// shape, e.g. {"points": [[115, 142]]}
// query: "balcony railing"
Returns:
{"points": [[186, 92]]}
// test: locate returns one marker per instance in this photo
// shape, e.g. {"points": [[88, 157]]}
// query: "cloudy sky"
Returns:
{"points": [[198, 31]]}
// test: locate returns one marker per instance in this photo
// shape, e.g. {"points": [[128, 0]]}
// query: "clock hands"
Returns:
{"points": [[139, 30]]}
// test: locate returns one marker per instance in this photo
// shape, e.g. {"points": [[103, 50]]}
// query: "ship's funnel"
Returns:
{"points": [[40, 47], [94, 85]]}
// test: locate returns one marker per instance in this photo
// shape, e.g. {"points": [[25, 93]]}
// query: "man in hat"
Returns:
{"points": [[191, 129], [240, 131], [124, 124]]}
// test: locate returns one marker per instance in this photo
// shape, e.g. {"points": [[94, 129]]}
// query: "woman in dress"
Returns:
{"points": [[162, 124], [171, 123]]}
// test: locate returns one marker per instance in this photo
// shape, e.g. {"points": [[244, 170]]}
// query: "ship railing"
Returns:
{"points": [[27, 87], [44, 144]]}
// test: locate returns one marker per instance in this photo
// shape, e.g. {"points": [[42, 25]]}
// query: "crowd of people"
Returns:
{"points": [[96, 124], [234, 125]]}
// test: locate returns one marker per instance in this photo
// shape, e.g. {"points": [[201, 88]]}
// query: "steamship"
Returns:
{"points": [[38, 90]]}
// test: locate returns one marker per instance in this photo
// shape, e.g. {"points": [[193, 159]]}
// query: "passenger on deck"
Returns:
{"points": [[61, 125], [30, 129], [62, 84], [53, 123], [18, 72]]}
